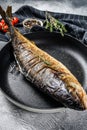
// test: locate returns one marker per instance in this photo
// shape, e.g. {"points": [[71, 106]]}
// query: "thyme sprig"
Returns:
{"points": [[45, 61], [51, 23]]}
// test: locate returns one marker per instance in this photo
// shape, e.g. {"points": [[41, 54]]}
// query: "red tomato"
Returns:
{"points": [[2, 21], [1, 25], [15, 20], [12, 22], [5, 28]]}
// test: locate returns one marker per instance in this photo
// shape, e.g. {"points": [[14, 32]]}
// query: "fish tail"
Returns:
{"points": [[7, 18]]}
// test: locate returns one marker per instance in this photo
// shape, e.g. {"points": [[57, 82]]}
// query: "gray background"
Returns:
{"points": [[65, 6], [14, 118]]}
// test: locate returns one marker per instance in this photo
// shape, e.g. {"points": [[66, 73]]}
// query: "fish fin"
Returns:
{"points": [[4, 16], [33, 43], [8, 19], [9, 11]]}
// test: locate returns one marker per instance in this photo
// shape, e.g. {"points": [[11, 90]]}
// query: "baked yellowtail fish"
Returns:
{"points": [[48, 74]]}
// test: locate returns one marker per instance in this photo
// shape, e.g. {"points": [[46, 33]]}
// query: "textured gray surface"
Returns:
{"points": [[65, 6], [14, 118]]}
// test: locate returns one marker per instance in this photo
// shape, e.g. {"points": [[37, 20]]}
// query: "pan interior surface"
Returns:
{"points": [[68, 50]]}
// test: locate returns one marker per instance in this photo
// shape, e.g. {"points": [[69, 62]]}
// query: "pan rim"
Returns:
{"points": [[36, 110]]}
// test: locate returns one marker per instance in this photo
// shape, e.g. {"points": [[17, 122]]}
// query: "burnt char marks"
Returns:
{"points": [[20, 47], [46, 79], [63, 95], [30, 61], [31, 66], [52, 83], [36, 71], [23, 57]]}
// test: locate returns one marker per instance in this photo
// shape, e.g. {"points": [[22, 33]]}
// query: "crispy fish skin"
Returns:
{"points": [[53, 78], [48, 74]]}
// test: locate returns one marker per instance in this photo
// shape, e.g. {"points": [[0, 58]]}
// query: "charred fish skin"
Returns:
{"points": [[44, 78], [54, 78]]}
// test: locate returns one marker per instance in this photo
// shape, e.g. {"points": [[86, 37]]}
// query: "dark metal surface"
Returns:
{"points": [[66, 49], [13, 117]]}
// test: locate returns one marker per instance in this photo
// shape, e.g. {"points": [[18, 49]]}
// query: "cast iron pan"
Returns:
{"points": [[21, 92]]}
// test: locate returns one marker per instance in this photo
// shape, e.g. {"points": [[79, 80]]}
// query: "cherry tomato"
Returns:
{"points": [[1, 25], [5, 28], [15, 20], [2, 21]]}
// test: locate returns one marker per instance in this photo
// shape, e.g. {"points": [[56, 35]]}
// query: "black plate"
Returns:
{"points": [[17, 89]]}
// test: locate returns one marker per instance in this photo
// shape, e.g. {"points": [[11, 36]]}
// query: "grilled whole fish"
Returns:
{"points": [[48, 74]]}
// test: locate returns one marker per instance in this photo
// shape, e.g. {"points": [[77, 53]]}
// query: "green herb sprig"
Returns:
{"points": [[51, 23], [45, 61]]}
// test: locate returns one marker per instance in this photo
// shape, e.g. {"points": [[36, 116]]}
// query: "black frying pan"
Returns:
{"points": [[21, 92]]}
